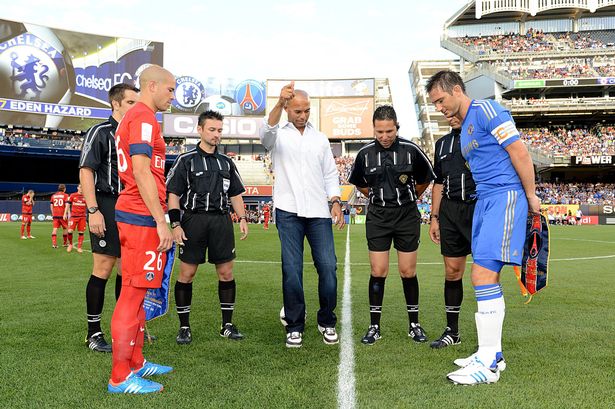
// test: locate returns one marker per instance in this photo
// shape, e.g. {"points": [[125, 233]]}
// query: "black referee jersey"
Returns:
{"points": [[391, 174], [204, 181], [98, 153], [451, 169]]}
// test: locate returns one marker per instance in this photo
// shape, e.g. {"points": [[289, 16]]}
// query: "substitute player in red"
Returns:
{"points": [[266, 216], [27, 202], [58, 206], [75, 214], [144, 234]]}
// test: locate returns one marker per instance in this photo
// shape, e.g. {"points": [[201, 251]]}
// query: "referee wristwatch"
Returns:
{"points": [[338, 201], [92, 210], [175, 224]]}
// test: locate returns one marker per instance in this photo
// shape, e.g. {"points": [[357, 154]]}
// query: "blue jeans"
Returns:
{"points": [[292, 231]]}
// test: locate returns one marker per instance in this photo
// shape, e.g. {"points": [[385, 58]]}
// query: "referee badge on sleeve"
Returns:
{"points": [[226, 183], [403, 178]]}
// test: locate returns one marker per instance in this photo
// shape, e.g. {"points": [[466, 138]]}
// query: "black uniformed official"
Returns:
{"points": [[452, 209], [200, 183], [393, 173], [101, 185]]}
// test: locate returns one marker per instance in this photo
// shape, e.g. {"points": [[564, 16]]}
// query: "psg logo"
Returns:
{"points": [[250, 95], [149, 276], [189, 92]]}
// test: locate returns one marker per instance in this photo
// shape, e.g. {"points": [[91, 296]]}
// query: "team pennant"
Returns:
{"points": [[533, 275], [156, 302]]}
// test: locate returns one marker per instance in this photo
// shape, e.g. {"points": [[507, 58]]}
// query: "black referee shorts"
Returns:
{"points": [[456, 227], [109, 244], [402, 225], [210, 233]]}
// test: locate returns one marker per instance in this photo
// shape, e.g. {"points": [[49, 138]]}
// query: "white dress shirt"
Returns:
{"points": [[305, 173]]}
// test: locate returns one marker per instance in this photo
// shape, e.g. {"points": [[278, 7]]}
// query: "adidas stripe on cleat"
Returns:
{"points": [[97, 343], [461, 362], [230, 331], [417, 333], [135, 385], [473, 374], [372, 335], [447, 338], [150, 369]]}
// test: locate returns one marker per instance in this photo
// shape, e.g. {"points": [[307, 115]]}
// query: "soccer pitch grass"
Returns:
{"points": [[559, 348]]}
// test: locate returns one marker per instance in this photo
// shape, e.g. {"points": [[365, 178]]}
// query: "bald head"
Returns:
{"points": [[157, 88], [298, 109], [153, 73]]}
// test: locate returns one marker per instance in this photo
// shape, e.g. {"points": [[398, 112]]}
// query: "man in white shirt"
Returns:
{"points": [[305, 178]]}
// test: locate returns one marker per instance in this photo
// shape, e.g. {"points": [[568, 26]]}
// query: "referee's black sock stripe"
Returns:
{"points": [[183, 301], [376, 295], [411, 293], [453, 296], [94, 300], [226, 294]]}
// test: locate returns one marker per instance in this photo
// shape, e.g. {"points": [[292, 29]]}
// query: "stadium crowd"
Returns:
{"points": [[576, 193], [537, 41], [560, 141], [344, 166], [590, 67]]}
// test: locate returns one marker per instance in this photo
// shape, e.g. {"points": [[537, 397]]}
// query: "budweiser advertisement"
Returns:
{"points": [[347, 118]]}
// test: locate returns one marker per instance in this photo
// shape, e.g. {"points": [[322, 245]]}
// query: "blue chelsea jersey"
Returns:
{"points": [[487, 130]]}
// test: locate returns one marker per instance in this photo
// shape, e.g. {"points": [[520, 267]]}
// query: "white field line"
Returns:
{"points": [[346, 377]]}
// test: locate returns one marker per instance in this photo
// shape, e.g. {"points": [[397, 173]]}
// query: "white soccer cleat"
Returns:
{"points": [[463, 362], [473, 374]]}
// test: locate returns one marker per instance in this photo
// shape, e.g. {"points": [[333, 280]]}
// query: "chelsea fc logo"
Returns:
{"points": [[470, 129], [189, 92]]}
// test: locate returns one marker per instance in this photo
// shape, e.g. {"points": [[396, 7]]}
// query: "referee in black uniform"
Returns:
{"points": [[201, 182], [101, 185], [393, 173], [452, 208]]}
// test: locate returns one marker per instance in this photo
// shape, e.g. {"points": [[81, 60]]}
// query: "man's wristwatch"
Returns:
{"points": [[92, 210], [338, 201], [434, 216], [175, 224]]}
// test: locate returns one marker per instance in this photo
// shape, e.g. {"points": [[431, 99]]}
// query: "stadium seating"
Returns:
{"points": [[565, 142], [576, 193], [537, 41], [253, 172]]}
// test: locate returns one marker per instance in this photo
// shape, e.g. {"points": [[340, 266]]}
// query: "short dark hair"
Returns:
{"points": [[62, 187], [210, 114], [446, 80], [116, 93], [385, 113]]}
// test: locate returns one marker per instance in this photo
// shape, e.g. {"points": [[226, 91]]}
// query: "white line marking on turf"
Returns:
{"points": [[591, 241], [424, 263], [346, 377]]}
